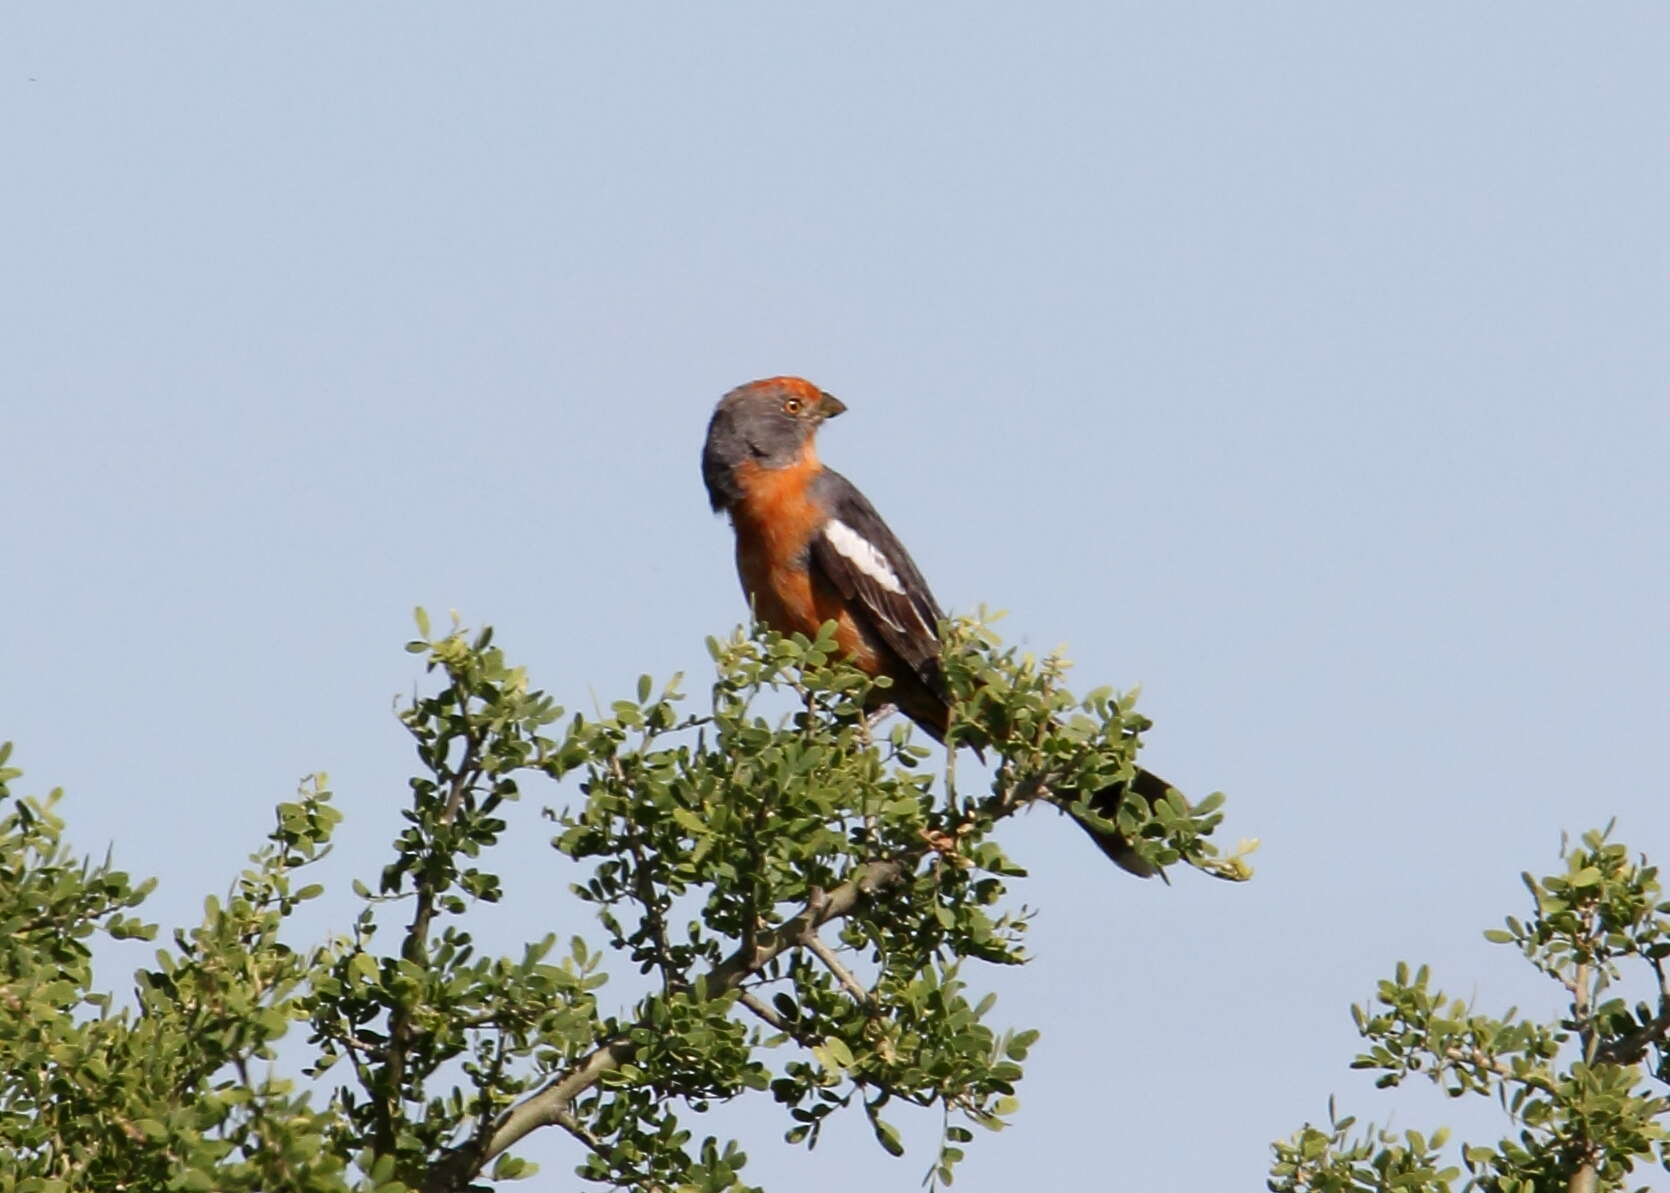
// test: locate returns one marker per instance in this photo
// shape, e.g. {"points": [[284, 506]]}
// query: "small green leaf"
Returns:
{"points": [[838, 1051]]}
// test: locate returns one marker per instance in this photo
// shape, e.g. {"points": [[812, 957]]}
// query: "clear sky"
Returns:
{"points": [[1304, 363]]}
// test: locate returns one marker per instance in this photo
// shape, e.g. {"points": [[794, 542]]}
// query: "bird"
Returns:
{"points": [[811, 549]]}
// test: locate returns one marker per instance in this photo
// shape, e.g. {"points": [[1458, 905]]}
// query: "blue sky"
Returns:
{"points": [[1302, 363]]}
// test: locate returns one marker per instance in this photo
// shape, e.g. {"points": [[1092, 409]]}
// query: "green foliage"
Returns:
{"points": [[1586, 1091], [163, 1095], [797, 906]]}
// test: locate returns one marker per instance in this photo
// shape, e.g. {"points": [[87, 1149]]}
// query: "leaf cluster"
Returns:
{"points": [[1586, 1091], [791, 904], [171, 1092]]}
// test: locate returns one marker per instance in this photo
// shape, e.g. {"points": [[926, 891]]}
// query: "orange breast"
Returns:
{"points": [[775, 523]]}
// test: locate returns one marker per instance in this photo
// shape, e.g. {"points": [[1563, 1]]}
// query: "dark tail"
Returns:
{"points": [[930, 710], [1106, 803]]}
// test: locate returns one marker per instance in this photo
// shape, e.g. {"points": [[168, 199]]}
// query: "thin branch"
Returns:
{"points": [[546, 1108], [758, 948], [401, 1030], [1479, 1059], [873, 718], [468, 773], [806, 1040], [1627, 1050], [814, 945], [358, 1044], [767, 1012], [486, 1084], [550, 1105], [751, 888], [643, 890], [570, 1122], [1583, 1176]]}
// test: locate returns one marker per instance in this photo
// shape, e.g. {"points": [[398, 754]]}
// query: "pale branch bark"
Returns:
{"points": [[547, 1108], [1479, 1059], [570, 1122], [1583, 1176], [765, 1011], [551, 1105], [814, 945]]}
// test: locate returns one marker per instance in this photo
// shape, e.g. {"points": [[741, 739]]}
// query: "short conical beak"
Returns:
{"points": [[829, 406]]}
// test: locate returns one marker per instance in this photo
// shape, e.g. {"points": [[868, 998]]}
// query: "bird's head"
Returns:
{"points": [[769, 423]]}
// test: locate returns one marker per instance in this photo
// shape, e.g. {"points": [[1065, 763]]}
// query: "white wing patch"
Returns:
{"points": [[862, 554]]}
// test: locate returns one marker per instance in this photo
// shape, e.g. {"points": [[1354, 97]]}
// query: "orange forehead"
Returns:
{"points": [[797, 387]]}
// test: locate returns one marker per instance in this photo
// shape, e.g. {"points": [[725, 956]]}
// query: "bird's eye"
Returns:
{"points": [[792, 406]]}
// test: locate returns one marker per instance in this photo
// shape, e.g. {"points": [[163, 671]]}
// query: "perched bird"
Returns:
{"points": [[810, 548]]}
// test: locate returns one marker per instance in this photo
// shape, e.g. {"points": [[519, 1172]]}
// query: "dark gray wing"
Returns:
{"points": [[867, 564]]}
